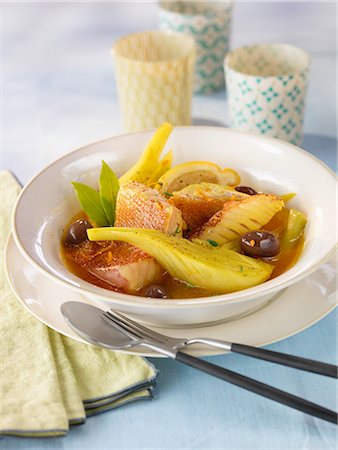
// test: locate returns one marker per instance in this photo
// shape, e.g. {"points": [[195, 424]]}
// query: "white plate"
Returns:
{"points": [[297, 308]]}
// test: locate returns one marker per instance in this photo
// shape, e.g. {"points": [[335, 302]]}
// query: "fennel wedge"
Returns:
{"points": [[149, 163], [295, 228], [238, 217], [163, 166], [218, 269]]}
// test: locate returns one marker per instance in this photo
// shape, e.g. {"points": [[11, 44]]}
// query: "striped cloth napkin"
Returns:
{"points": [[48, 381]]}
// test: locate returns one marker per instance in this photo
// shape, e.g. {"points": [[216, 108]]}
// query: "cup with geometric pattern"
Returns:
{"points": [[209, 23], [154, 75], [266, 89]]}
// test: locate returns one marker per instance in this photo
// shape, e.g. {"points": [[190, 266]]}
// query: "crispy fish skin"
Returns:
{"points": [[87, 251], [126, 267], [196, 211], [199, 202], [142, 207], [117, 263], [238, 217]]}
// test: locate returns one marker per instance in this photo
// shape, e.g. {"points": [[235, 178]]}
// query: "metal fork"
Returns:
{"points": [[132, 329], [113, 330], [136, 329], [160, 342], [142, 332]]}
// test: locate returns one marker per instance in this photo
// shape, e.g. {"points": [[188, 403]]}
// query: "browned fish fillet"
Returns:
{"points": [[199, 202], [139, 206], [116, 263], [85, 252], [126, 267]]}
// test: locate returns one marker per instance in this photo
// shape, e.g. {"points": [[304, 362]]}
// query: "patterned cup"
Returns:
{"points": [[266, 87], [154, 74], [209, 24]]}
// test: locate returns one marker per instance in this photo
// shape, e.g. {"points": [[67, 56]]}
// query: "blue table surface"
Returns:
{"points": [[59, 94]]}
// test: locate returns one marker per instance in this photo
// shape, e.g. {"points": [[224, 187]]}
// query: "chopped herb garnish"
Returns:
{"points": [[177, 229], [213, 243], [167, 194]]}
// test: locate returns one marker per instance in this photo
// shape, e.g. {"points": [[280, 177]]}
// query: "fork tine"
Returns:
{"points": [[127, 328], [138, 326], [121, 326], [135, 327]]}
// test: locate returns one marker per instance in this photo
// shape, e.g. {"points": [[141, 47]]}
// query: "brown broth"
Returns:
{"points": [[177, 289]]}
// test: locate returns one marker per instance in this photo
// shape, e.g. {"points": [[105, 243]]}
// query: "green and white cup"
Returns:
{"points": [[209, 24], [266, 88]]}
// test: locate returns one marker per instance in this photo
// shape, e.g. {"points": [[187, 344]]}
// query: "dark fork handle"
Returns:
{"points": [[287, 360], [259, 388]]}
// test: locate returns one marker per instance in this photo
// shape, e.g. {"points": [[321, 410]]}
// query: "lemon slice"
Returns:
{"points": [[195, 172]]}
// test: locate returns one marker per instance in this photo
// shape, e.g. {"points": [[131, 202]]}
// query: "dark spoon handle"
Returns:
{"points": [[259, 388], [297, 362]]}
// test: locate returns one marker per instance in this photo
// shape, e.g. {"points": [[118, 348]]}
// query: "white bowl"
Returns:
{"points": [[47, 203]]}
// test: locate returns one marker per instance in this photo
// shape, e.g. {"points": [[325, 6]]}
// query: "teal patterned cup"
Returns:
{"points": [[266, 89], [209, 24]]}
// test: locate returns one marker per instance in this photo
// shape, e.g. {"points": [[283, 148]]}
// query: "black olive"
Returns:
{"points": [[260, 244], [77, 232], [246, 190], [156, 291]]}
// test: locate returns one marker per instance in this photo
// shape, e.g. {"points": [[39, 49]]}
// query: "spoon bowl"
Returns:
{"points": [[80, 316]]}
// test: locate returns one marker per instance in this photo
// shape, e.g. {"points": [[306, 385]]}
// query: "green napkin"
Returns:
{"points": [[47, 380]]}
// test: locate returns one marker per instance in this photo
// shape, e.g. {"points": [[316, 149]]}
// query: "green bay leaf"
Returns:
{"points": [[109, 187], [90, 202]]}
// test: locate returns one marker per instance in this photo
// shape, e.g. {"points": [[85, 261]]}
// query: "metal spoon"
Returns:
{"points": [[87, 321]]}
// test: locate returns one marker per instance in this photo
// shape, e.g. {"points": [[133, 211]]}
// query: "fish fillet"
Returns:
{"points": [[139, 206], [126, 267], [199, 202], [116, 263]]}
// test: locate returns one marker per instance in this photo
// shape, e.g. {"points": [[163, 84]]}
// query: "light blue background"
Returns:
{"points": [[59, 94]]}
